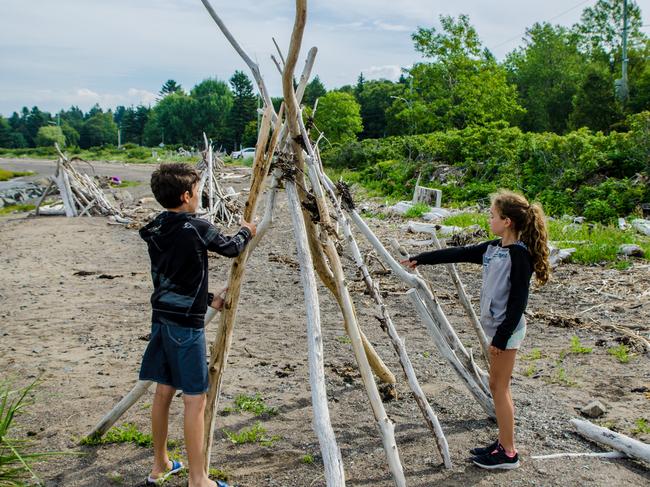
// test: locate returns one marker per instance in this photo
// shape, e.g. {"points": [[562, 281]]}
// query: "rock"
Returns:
{"points": [[579, 220], [436, 214], [557, 256], [400, 207], [641, 226], [631, 250], [622, 225], [594, 409]]}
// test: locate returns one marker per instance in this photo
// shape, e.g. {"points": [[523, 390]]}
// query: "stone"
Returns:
{"points": [[642, 226], [631, 250], [594, 409]]}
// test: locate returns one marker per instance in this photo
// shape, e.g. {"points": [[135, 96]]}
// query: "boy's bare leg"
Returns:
{"points": [[194, 410], [159, 420]]}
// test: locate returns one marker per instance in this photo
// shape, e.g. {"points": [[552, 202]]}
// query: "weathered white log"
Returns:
{"points": [[465, 301], [609, 454], [387, 325], [451, 340], [244, 55], [417, 227], [334, 473], [384, 423], [448, 353], [631, 447]]}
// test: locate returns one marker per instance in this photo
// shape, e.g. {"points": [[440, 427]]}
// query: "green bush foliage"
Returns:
{"points": [[591, 174]]}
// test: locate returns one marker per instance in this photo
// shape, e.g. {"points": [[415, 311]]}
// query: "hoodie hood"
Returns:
{"points": [[161, 232]]}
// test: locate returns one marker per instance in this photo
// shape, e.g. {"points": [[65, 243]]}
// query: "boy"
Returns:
{"points": [[175, 357]]}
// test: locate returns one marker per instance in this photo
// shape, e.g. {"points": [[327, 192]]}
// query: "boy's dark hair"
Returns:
{"points": [[170, 181]]}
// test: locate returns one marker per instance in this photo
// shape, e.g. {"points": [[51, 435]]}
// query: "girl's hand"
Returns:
{"points": [[494, 351], [411, 264]]}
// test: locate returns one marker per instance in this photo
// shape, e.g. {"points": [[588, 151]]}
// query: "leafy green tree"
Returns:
{"points": [[48, 135], [595, 104], [214, 103], [132, 124], [170, 86], [547, 72], [99, 130], [249, 139], [34, 121], [374, 99], [71, 134], [95, 110], [462, 85], [640, 90], [74, 116], [5, 133], [338, 117], [601, 25], [244, 107], [174, 121], [314, 90]]}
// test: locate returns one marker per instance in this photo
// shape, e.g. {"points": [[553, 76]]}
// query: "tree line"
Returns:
{"points": [[560, 80]]}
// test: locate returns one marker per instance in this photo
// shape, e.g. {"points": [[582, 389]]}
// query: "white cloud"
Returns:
{"points": [[390, 72]]}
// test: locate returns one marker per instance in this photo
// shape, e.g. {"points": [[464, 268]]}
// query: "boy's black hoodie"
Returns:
{"points": [[178, 245]]}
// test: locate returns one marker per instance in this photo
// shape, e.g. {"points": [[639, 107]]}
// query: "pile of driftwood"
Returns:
{"points": [[220, 206], [80, 194]]}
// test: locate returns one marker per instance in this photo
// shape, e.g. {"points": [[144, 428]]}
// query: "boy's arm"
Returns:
{"points": [[470, 253], [215, 241], [520, 274]]}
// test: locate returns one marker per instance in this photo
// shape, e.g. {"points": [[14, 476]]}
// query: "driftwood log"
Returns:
{"points": [[619, 442]]}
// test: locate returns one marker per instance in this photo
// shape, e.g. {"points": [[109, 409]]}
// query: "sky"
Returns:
{"points": [[120, 52]]}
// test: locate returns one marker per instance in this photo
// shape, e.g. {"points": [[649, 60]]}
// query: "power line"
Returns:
{"points": [[549, 20]]}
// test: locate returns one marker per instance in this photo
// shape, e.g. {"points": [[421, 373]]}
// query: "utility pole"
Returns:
{"points": [[622, 84]]}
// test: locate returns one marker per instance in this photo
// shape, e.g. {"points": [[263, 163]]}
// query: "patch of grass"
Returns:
{"points": [[577, 348], [15, 209], [127, 433], [218, 474], [128, 184], [530, 370], [620, 352], [6, 175], [620, 265], [307, 459], [115, 478], [562, 378], [344, 339], [254, 434], [467, 220], [426, 354], [253, 404], [535, 354], [15, 461], [642, 426], [379, 215], [417, 210]]}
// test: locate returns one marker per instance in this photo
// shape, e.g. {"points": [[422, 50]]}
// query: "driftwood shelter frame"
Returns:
{"points": [[323, 214]]}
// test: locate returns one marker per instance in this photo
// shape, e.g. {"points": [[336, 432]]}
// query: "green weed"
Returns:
{"points": [[16, 208], [642, 426], [307, 459], [253, 404], [127, 433], [254, 434], [6, 175], [344, 339], [577, 348], [417, 210], [621, 352], [535, 354], [530, 370]]}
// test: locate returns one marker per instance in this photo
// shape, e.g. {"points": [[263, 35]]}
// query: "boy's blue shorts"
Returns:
{"points": [[176, 357]]}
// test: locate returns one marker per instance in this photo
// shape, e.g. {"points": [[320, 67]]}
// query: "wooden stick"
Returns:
{"points": [[631, 447], [387, 325], [332, 461], [609, 454], [221, 345]]}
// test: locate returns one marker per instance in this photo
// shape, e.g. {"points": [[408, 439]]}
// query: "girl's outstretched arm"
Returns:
{"points": [[451, 255]]}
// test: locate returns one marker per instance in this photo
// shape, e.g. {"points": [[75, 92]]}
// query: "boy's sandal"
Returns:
{"points": [[176, 467]]}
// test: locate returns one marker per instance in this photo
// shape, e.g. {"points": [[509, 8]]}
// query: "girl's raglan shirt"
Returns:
{"points": [[506, 282]]}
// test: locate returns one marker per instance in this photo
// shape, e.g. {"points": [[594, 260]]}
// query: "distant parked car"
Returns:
{"points": [[244, 153]]}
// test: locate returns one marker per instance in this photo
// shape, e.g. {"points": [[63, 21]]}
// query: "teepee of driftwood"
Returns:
{"points": [[323, 215], [222, 207], [80, 193]]}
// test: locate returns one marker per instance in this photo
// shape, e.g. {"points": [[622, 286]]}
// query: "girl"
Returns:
{"points": [[508, 264]]}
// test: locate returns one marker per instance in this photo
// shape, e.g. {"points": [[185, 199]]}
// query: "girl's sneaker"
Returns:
{"points": [[497, 459], [477, 452]]}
